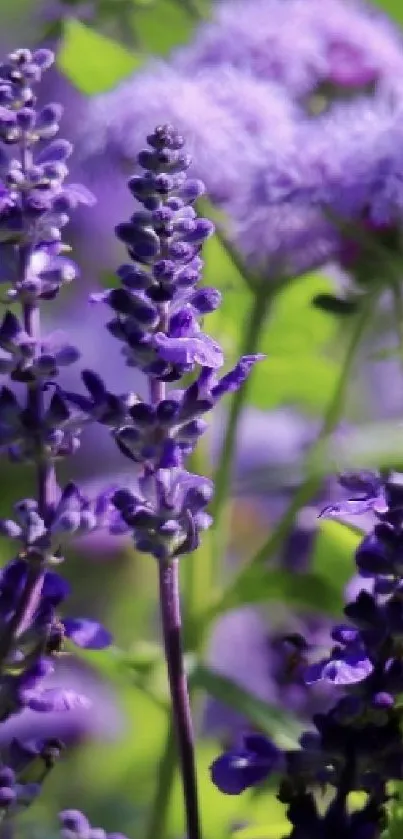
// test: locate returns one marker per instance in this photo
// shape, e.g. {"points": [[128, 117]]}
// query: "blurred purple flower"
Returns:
{"points": [[301, 44], [247, 649], [99, 719], [218, 113], [351, 168]]}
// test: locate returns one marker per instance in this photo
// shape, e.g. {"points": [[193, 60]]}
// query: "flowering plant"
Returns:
{"points": [[133, 431]]}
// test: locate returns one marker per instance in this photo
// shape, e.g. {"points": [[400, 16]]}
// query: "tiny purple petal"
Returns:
{"points": [[199, 349], [87, 634]]}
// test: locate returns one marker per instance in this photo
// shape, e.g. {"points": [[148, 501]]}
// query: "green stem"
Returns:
{"points": [[157, 824], [249, 345]]}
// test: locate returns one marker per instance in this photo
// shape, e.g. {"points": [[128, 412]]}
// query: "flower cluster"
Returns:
{"points": [[350, 49], [157, 310], [357, 745], [242, 99], [36, 424]]}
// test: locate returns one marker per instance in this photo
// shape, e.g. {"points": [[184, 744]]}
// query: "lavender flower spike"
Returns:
{"points": [[156, 315], [34, 207]]}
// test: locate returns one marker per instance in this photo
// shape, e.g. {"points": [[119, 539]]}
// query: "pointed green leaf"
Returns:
{"points": [[92, 62]]}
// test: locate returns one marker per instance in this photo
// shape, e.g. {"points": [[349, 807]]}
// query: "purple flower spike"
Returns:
{"points": [[38, 428]]}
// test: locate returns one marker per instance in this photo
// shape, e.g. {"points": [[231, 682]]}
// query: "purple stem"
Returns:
{"points": [[171, 626], [172, 635]]}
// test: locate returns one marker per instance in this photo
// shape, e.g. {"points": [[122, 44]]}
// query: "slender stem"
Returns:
{"points": [[156, 826], [169, 598], [249, 345], [171, 625]]}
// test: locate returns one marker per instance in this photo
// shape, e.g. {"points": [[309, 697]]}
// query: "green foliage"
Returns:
{"points": [[393, 8], [92, 62], [299, 369], [259, 584], [333, 552], [165, 24]]}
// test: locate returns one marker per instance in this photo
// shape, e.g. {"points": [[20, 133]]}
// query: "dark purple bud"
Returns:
{"points": [[56, 152], [94, 384], [7, 796], [43, 58], [26, 118], [55, 588], [165, 136], [192, 190], [127, 303], [7, 776], [143, 415], [74, 821], [167, 411], [205, 300], [134, 278]]}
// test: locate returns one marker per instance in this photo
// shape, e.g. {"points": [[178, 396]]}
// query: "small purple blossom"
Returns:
{"points": [[252, 763]]}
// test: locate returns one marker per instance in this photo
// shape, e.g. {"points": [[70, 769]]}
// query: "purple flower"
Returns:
{"points": [[241, 768], [74, 825], [348, 46], [37, 427], [369, 494], [218, 114]]}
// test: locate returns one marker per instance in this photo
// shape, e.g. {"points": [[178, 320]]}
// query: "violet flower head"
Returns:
{"points": [[337, 50], [303, 211]]}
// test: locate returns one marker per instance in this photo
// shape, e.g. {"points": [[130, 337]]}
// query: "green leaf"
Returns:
{"points": [[305, 381], [333, 553], [299, 369], [258, 584], [393, 8], [92, 62], [164, 25], [221, 273], [272, 721], [272, 830]]}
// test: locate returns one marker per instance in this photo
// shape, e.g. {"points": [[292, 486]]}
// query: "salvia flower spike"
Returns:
{"points": [[37, 428], [157, 312]]}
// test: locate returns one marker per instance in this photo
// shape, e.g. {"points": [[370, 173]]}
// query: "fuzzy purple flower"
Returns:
{"points": [[341, 47], [218, 115]]}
